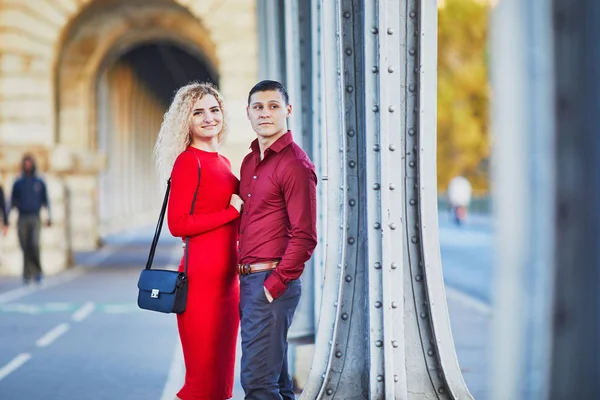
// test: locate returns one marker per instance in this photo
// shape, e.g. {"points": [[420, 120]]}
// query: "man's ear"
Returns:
{"points": [[248, 112], [289, 110]]}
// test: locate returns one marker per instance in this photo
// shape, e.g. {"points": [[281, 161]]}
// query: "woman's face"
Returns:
{"points": [[206, 118]]}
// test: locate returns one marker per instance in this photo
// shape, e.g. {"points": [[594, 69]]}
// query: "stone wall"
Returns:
{"points": [[49, 69]]}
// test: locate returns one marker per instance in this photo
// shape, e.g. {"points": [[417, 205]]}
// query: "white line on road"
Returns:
{"points": [[84, 311], [469, 301], [176, 375], [51, 336], [14, 364]]}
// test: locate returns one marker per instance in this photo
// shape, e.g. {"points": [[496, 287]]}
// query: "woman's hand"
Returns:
{"points": [[237, 202]]}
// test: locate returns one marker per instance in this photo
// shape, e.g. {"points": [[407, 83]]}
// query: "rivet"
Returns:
{"points": [[379, 343], [441, 390], [376, 147], [351, 132], [348, 51], [378, 304], [394, 265], [411, 52], [376, 186], [411, 131], [375, 108], [374, 69], [379, 378], [329, 391], [390, 31], [374, 31], [338, 354], [392, 147], [335, 305], [348, 278], [345, 316], [423, 315], [430, 352], [414, 239], [411, 164], [394, 343], [351, 240], [392, 226], [411, 88], [377, 265], [349, 89], [352, 163], [392, 186], [394, 304], [419, 278], [347, 14], [396, 378], [391, 108], [352, 202], [412, 202], [412, 14], [390, 69], [377, 225]]}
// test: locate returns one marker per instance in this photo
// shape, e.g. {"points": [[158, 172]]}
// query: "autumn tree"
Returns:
{"points": [[463, 93]]}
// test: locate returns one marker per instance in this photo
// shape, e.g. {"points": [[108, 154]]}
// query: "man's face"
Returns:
{"points": [[27, 166], [267, 113]]}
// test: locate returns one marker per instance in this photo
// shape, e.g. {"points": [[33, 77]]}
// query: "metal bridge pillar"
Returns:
{"points": [[383, 327]]}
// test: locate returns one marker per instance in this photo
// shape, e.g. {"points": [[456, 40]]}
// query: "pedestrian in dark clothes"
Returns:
{"points": [[28, 196]]}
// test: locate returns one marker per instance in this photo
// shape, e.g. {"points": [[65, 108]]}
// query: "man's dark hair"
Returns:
{"points": [[266, 85]]}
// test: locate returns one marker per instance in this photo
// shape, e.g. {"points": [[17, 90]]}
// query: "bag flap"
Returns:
{"points": [[163, 280]]}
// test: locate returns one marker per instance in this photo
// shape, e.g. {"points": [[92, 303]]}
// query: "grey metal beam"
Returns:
{"points": [[383, 329]]}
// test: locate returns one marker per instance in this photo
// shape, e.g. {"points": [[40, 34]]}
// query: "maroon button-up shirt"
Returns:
{"points": [[279, 219]]}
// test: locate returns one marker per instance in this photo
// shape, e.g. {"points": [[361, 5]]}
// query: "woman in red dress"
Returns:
{"points": [[192, 131]]}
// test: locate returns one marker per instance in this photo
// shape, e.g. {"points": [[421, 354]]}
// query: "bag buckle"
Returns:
{"points": [[154, 294]]}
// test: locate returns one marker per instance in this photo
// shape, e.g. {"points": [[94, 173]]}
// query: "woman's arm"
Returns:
{"points": [[184, 182]]}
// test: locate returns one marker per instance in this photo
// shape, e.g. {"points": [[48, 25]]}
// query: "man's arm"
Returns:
{"points": [[45, 202], [3, 207], [299, 187]]}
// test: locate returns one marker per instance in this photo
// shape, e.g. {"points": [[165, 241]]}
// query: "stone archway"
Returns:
{"points": [[49, 66]]}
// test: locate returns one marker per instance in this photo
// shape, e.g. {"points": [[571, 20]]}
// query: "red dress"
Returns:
{"points": [[209, 326]]}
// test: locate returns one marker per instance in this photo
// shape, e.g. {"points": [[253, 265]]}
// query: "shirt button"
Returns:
{"points": [[239, 250], [254, 177], [249, 194], [246, 213]]}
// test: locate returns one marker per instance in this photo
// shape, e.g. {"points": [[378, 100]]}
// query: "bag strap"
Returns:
{"points": [[161, 219]]}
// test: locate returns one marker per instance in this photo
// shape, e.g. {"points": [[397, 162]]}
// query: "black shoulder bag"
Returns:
{"points": [[159, 289]]}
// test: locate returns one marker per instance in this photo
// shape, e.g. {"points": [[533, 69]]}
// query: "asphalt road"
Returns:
{"points": [[81, 336]]}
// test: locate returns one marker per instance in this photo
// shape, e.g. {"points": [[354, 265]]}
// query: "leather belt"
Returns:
{"points": [[247, 269]]}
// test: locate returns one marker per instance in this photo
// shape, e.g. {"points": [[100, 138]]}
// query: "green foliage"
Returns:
{"points": [[463, 93]]}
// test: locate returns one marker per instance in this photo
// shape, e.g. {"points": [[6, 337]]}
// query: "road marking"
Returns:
{"points": [[84, 311], [176, 375], [120, 308], [51, 336], [14, 364], [469, 301]]}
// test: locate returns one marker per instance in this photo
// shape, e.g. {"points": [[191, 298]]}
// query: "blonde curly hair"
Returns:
{"points": [[175, 135]]}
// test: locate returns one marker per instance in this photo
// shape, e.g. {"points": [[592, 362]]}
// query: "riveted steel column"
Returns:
{"points": [[383, 259]]}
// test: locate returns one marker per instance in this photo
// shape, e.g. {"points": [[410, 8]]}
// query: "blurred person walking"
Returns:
{"points": [[187, 149], [28, 196]]}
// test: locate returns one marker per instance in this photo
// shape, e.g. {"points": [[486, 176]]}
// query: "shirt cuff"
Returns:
{"points": [[275, 285]]}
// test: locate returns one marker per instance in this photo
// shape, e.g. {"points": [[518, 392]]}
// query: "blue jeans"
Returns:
{"points": [[264, 368]]}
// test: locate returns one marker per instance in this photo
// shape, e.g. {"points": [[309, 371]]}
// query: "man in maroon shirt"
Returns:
{"points": [[277, 237]]}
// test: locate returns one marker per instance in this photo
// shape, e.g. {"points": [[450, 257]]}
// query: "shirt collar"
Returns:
{"points": [[280, 144]]}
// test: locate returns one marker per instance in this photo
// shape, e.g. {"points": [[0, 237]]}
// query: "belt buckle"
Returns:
{"points": [[244, 269]]}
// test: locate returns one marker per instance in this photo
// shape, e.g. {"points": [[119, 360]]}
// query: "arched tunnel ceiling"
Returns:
{"points": [[165, 67]]}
